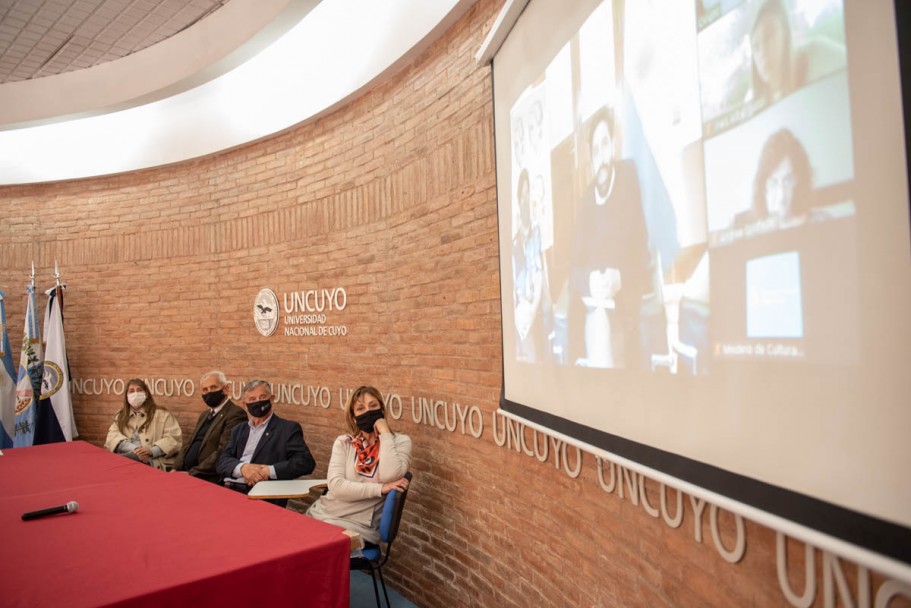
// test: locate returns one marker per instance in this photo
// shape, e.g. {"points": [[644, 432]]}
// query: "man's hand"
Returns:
{"points": [[254, 473], [525, 316], [604, 284]]}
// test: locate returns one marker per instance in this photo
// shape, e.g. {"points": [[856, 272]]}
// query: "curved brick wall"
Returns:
{"points": [[391, 198]]}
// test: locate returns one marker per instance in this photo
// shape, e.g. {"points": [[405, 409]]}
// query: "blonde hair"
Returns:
{"points": [[352, 399]]}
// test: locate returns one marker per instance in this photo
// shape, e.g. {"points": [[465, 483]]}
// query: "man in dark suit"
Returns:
{"points": [[213, 429], [267, 447]]}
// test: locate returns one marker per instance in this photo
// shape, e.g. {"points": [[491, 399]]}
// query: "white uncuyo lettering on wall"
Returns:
{"points": [[302, 394], [543, 446], [315, 300], [305, 312], [447, 416], [159, 387]]}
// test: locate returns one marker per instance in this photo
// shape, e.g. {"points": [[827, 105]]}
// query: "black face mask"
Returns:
{"points": [[214, 398], [366, 420], [258, 409]]}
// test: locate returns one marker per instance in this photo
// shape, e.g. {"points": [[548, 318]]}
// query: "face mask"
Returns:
{"points": [[258, 409], [214, 398], [136, 399], [366, 420]]}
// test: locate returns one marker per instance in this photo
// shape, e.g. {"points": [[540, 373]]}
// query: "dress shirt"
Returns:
{"points": [[256, 433]]}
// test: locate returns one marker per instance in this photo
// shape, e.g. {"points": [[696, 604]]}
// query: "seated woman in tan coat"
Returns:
{"points": [[144, 431], [366, 464]]}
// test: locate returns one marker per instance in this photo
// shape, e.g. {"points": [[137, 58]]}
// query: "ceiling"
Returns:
{"points": [[47, 37], [248, 70]]}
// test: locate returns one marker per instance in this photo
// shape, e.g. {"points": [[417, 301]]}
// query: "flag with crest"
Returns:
{"points": [[28, 381], [54, 421], [8, 375]]}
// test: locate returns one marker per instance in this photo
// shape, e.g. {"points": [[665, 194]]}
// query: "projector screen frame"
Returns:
{"points": [[879, 544]]}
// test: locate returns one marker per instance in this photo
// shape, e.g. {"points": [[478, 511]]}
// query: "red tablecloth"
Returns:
{"points": [[147, 538]]}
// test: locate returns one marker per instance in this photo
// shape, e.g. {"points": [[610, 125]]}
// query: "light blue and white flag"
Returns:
{"points": [[55, 420], [8, 377], [28, 383]]}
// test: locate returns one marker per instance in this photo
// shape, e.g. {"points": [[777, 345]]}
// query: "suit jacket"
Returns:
{"points": [[282, 446], [213, 442]]}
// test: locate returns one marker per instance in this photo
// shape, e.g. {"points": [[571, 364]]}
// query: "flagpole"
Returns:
{"points": [[57, 284]]}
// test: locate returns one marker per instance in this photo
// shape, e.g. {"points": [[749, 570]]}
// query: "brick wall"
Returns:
{"points": [[393, 199]]}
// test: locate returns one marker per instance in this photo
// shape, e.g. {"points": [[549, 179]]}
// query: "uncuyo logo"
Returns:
{"points": [[265, 312]]}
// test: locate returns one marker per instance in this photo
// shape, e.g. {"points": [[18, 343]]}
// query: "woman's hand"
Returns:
{"points": [[381, 426], [399, 485], [144, 454]]}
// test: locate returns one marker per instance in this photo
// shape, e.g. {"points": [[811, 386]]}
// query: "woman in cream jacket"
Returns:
{"points": [[142, 430]]}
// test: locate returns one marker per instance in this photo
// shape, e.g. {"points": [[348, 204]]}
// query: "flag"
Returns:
{"points": [[28, 381], [55, 421], [8, 376]]}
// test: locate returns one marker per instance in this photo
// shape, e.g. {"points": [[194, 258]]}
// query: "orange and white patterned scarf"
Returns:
{"points": [[367, 457]]}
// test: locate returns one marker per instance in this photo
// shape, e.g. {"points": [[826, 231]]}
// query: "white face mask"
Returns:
{"points": [[136, 399]]}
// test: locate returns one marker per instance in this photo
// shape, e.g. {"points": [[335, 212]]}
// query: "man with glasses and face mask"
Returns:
{"points": [[213, 429], [267, 447]]}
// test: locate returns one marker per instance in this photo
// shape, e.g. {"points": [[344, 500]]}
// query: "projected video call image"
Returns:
{"points": [[672, 211]]}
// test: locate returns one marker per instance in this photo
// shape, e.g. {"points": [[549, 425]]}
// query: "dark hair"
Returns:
{"points": [[122, 417], [524, 206], [776, 11], [603, 114], [779, 146], [352, 399]]}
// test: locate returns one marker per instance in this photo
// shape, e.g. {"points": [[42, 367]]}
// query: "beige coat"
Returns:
{"points": [[163, 432], [353, 501]]}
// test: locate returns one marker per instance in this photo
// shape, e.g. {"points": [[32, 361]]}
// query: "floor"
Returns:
{"points": [[362, 593]]}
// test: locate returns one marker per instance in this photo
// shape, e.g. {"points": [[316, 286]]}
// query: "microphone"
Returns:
{"points": [[69, 507]]}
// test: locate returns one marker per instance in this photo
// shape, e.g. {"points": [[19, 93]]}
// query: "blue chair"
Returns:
{"points": [[374, 557]]}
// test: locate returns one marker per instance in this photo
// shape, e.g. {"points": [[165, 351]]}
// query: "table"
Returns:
{"points": [[143, 537]]}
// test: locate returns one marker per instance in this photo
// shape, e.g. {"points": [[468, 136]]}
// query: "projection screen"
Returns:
{"points": [[704, 248]]}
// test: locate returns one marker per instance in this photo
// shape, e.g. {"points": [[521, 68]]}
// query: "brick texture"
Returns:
{"points": [[393, 198]]}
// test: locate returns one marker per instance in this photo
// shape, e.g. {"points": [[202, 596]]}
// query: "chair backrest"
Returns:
{"points": [[392, 513]]}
